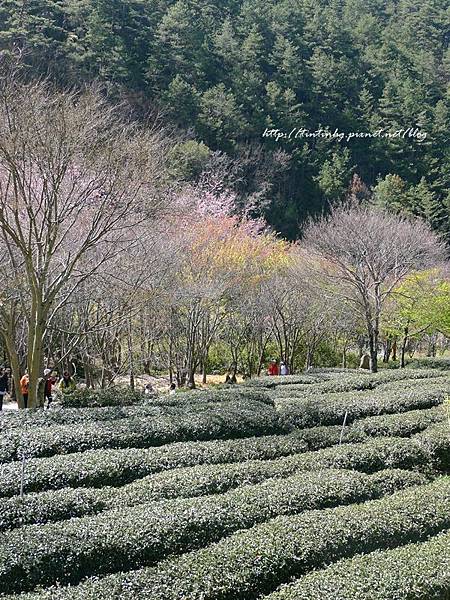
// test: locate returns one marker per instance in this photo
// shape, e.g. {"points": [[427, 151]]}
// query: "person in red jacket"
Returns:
{"points": [[50, 381], [273, 367]]}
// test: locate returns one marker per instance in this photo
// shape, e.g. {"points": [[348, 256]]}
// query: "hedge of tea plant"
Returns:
{"points": [[55, 505], [402, 424], [436, 442], [429, 363], [420, 571], [117, 467], [144, 534], [256, 561], [240, 418], [189, 401], [330, 409]]}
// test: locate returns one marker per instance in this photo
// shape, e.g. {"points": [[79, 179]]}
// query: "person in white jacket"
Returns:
{"points": [[283, 368]]}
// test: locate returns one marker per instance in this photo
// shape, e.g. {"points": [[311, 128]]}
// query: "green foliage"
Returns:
{"points": [[402, 425], [217, 421], [429, 363], [420, 303], [334, 176], [146, 533], [188, 159], [330, 410], [244, 514], [436, 441], [423, 568], [255, 561], [112, 396]]}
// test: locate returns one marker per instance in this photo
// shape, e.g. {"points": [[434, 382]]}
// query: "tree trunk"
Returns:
{"points": [[130, 355], [403, 350], [373, 347], [9, 339], [309, 357], [394, 349], [191, 379], [431, 345], [35, 358], [387, 350]]}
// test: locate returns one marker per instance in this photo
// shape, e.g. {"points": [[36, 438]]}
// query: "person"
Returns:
{"points": [[284, 368], [273, 367], [67, 384], [4, 386], [365, 362], [172, 389], [148, 389], [25, 388], [50, 381]]}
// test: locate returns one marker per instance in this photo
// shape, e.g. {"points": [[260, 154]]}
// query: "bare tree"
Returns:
{"points": [[76, 182], [364, 253]]}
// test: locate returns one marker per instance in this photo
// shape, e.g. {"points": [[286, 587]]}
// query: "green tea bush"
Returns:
{"points": [[193, 481], [436, 442], [98, 468], [429, 363], [91, 398], [124, 396], [401, 425], [282, 380], [162, 405], [146, 533], [330, 410], [241, 418], [216, 395], [420, 571], [255, 561], [118, 467], [360, 382]]}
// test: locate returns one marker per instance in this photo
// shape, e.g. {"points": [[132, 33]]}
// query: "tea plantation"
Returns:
{"points": [[257, 491]]}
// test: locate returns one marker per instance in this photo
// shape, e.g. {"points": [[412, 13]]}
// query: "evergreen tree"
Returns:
{"points": [[334, 176]]}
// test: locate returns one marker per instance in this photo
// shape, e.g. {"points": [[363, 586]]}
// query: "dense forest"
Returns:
{"points": [[220, 73]]}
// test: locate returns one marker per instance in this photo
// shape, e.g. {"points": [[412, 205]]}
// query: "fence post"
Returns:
{"points": [[343, 427], [22, 477]]}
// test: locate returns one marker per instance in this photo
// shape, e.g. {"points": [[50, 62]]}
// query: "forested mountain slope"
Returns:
{"points": [[225, 70]]}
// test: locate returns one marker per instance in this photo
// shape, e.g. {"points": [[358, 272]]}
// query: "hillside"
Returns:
{"points": [[224, 72]]}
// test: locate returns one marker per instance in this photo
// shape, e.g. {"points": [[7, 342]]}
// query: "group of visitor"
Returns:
{"points": [[149, 389], [47, 385], [275, 369]]}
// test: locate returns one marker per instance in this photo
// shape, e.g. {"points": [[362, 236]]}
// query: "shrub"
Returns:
{"points": [[429, 363], [255, 561], [402, 425], [419, 571], [360, 382], [124, 396], [189, 401], [216, 395], [436, 442], [118, 467], [330, 410], [281, 380], [113, 396], [147, 533], [181, 482], [226, 420]]}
